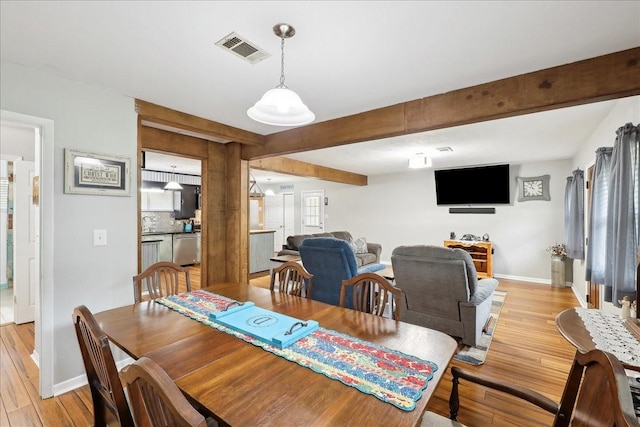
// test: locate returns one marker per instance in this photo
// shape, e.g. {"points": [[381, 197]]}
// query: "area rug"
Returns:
{"points": [[476, 355]]}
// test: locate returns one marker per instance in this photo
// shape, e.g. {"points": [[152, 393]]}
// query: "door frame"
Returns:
{"points": [[44, 323]]}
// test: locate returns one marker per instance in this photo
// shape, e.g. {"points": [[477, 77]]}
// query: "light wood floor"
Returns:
{"points": [[526, 349]]}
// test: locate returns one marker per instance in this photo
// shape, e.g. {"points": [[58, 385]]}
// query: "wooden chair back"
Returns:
{"points": [[292, 279], [155, 399], [160, 279], [104, 381], [596, 394], [371, 294]]}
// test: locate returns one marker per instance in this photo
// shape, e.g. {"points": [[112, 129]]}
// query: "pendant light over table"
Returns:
{"points": [[281, 106]]}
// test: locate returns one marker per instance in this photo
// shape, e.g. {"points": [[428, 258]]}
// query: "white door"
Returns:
{"points": [[25, 260], [312, 212], [273, 219], [288, 216]]}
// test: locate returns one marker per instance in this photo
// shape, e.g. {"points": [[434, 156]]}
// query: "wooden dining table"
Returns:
{"points": [[240, 384]]}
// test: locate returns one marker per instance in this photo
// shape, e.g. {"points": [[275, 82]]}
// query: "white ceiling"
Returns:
{"points": [[346, 57]]}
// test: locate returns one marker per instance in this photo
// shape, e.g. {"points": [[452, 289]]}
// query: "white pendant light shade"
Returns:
{"points": [[173, 184], [281, 107]]}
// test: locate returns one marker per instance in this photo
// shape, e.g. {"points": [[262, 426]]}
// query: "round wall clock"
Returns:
{"points": [[532, 188]]}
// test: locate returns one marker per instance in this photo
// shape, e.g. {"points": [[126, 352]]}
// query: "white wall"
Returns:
{"points": [[625, 110], [400, 209], [88, 119]]}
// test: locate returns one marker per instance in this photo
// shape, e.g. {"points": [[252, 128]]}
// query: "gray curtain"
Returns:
{"points": [[574, 215], [623, 222], [598, 209]]}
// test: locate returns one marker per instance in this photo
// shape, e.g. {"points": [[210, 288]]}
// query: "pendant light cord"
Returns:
{"points": [[282, 62]]}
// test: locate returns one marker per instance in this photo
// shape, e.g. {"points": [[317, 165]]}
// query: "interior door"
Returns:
{"points": [[25, 260], [288, 216], [312, 212], [274, 219]]}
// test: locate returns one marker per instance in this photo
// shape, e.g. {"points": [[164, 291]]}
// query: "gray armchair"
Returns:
{"points": [[442, 291]]}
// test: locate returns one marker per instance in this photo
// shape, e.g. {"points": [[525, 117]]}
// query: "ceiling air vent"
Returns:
{"points": [[239, 46]]}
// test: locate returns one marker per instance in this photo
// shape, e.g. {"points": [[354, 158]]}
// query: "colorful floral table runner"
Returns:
{"points": [[387, 374]]}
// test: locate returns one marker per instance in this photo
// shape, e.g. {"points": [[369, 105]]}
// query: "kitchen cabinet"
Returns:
{"points": [[186, 203], [165, 248], [260, 250], [149, 251], [199, 253], [154, 197]]}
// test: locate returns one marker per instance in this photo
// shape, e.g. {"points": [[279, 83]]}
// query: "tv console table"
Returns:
{"points": [[481, 253]]}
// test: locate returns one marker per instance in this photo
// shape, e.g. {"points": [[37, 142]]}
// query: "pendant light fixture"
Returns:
{"points": [[173, 184], [281, 106]]}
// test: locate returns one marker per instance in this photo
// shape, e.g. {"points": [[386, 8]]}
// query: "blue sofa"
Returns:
{"points": [[331, 261]]}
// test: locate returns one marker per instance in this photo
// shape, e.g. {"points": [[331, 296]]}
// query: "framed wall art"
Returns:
{"points": [[98, 174], [533, 188]]}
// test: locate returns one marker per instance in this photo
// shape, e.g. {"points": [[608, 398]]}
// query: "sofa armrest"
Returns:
{"points": [[376, 249]]}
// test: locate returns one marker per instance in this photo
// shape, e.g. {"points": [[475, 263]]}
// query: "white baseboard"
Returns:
{"points": [[81, 380], [523, 279]]}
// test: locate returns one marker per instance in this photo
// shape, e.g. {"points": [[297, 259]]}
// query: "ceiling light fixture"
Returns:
{"points": [[173, 184], [269, 191], [281, 106], [420, 161]]}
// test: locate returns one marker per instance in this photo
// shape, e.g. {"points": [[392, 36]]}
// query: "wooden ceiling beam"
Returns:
{"points": [[298, 168], [606, 77], [197, 125]]}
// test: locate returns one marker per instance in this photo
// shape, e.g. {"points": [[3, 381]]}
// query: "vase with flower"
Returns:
{"points": [[558, 267]]}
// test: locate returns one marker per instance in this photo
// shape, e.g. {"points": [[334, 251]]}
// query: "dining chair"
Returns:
{"points": [[160, 279], [155, 399], [597, 393], [292, 279], [106, 388], [371, 293]]}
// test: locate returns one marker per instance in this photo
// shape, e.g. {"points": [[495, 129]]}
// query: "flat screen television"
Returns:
{"points": [[476, 185]]}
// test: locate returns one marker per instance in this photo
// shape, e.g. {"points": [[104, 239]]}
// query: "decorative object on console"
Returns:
{"points": [[485, 237], [533, 188], [281, 106]]}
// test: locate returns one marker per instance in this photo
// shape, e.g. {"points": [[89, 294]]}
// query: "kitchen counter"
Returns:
{"points": [[261, 231], [152, 233]]}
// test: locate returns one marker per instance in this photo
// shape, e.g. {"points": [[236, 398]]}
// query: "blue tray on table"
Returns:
{"points": [[268, 326]]}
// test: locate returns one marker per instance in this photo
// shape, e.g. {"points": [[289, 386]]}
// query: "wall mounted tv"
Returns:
{"points": [[476, 185]]}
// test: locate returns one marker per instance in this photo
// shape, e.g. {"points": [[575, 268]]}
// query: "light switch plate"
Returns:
{"points": [[99, 237]]}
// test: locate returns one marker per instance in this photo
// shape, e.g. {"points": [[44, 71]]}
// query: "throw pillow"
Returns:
{"points": [[359, 246]]}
